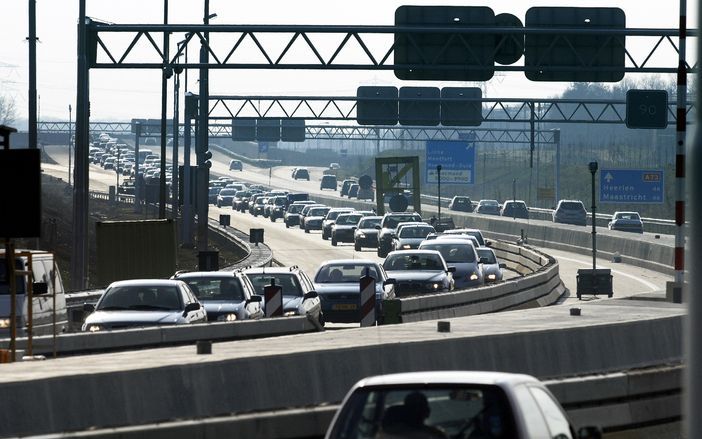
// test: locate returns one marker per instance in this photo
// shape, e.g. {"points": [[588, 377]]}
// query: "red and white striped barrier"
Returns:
{"points": [[368, 316], [274, 300]]}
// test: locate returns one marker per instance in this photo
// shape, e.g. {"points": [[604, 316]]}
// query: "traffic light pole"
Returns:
{"points": [[201, 145]]}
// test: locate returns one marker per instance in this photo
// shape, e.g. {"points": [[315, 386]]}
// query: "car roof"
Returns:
{"points": [[349, 262], [148, 282], [452, 240], [272, 270], [414, 251], [205, 274], [447, 377]]}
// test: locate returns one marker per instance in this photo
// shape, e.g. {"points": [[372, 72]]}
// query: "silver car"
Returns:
{"points": [[626, 222], [419, 272], [492, 268], [144, 302]]}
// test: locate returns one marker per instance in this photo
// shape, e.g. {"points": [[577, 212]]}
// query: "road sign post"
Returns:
{"points": [[367, 285]]}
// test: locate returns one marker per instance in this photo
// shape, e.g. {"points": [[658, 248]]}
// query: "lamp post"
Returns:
{"points": [[70, 132], [438, 201], [593, 170]]}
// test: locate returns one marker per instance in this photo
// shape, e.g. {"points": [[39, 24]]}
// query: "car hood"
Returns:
{"points": [[344, 288], [135, 317], [405, 275], [219, 307], [368, 231], [410, 241]]}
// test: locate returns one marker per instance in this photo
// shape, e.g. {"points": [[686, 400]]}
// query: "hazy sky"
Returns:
{"points": [[121, 95]]}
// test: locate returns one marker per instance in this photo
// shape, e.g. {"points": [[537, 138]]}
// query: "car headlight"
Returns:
{"points": [[362, 235], [473, 276], [289, 313], [406, 246], [491, 276], [4, 323], [435, 286], [95, 328], [227, 317]]}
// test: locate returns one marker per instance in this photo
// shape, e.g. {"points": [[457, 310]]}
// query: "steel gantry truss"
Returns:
{"points": [[607, 111], [259, 46]]}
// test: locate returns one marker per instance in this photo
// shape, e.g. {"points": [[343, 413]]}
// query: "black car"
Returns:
{"points": [[488, 207], [515, 209], [461, 204], [301, 174], [345, 185], [328, 182], [236, 165], [344, 227], [389, 225], [330, 219], [240, 202], [366, 233]]}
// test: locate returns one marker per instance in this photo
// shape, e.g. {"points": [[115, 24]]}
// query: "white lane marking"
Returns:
{"points": [[651, 286]]}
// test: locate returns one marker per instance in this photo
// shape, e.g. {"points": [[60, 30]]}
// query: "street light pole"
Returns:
{"points": [[70, 133], [438, 202], [593, 170]]}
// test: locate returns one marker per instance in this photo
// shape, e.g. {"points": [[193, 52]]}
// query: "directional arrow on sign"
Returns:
{"points": [[609, 177]]}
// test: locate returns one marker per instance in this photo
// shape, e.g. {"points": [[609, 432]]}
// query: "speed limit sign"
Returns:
{"points": [[647, 109]]}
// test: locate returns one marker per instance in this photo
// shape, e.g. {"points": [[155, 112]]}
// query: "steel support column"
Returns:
{"points": [[32, 39], [202, 140]]}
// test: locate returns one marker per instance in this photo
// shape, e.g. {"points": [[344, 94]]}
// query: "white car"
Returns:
{"points": [[453, 404]]}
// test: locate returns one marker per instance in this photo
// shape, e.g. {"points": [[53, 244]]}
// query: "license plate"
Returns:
{"points": [[344, 307]]}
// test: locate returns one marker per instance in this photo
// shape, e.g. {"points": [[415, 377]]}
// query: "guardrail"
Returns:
{"points": [[542, 286], [162, 336]]}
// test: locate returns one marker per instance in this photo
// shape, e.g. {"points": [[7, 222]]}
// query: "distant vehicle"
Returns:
{"points": [[409, 236], [492, 268], [46, 286], [227, 296], [365, 194], [488, 207], [292, 215], [330, 219], [366, 233], [144, 153], [477, 233], [570, 212], [259, 205], [328, 182], [144, 302], [626, 222], [387, 229], [453, 404], [461, 204], [515, 209], [293, 197], [305, 211], [301, 174], [236, 165], [314, 218], [212, 193], [337, 282], [225, 197], [240, 202], [346, 185], [275, 207], [344, 227], [461, 254], [334, 166], [353, 190], [419, 272], [299, 296]]}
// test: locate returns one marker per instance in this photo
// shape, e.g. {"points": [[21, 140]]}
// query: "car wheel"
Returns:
{"points": [[287, 226], [307, 230], [321, 319], [324, 236], [219, 204], [357, 247], [272, 219], [381, 253], [333, 240], [255, 214]]}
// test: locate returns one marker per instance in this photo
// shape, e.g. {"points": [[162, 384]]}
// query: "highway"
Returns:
{"points": [[294, 247]]}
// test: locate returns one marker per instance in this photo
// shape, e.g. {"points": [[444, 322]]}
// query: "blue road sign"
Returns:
{"points": [[644, 186], [457, 160]]}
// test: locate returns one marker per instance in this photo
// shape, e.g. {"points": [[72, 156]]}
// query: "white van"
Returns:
{"points": [[43, 270]]}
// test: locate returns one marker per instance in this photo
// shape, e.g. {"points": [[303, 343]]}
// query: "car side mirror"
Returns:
{"points": [[255, 298], [503, 265], [378, 227], [488, 243], [310, 295], [589, 432], [389, 281], [451, 269], [88, 307], [39, 288], [484, 260], [190, 307]]}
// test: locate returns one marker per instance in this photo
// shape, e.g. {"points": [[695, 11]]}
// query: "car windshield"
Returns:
{"points": [[334, 214], [487, 254], [416, 232], [348, 220], [369, 223], [242, 194], [318, 211], [413, 262], [452, 253], [141, 298], [288, 282], [392, 221], [628, 216], [216, 289], [296, 208], [227, 192], [455, 411], [346, 273]]}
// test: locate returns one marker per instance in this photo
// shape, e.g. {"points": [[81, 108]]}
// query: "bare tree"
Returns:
{"points": [[8, 110]]}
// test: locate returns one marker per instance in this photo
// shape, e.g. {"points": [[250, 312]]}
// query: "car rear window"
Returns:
{"points": [[287, 281], [318, 211], [572, 205]]}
